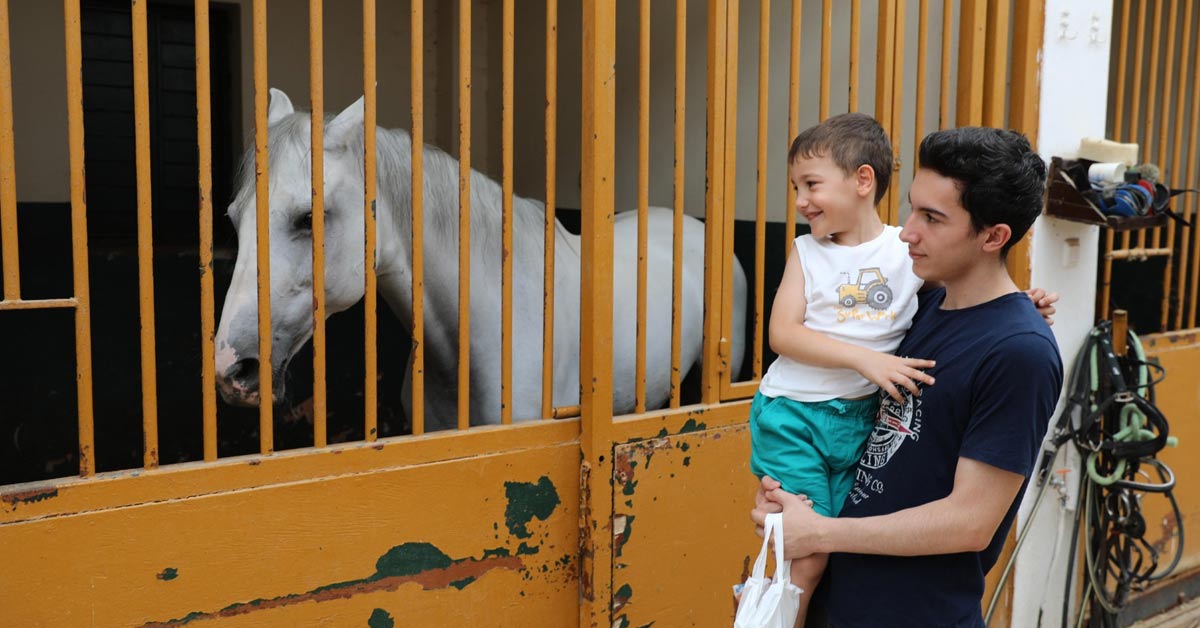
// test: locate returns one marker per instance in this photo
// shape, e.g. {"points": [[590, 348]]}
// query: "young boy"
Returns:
{"points": [[847, 296], [846, 299]]}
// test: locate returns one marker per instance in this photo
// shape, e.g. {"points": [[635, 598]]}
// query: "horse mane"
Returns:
{"points": [[289, 138]]}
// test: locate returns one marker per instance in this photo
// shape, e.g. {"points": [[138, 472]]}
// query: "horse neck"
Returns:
{"points": [[441, 218]]}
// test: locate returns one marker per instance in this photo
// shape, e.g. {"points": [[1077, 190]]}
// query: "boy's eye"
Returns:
{"points": [[930, 218]]}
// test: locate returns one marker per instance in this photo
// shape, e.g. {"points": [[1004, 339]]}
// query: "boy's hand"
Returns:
{"points": [[1044, 302], [888, 371]]}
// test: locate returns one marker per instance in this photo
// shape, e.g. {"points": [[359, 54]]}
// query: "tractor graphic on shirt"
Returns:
{"points": [[871, 289]]}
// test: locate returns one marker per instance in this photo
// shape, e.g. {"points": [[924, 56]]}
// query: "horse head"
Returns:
{"points": [[291, 242]]}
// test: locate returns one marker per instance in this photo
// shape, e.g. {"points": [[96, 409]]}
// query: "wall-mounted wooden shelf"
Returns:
{"points": [[1065, 201]]}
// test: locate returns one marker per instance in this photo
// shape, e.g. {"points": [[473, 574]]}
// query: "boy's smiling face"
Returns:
{"points": [[828, 198]]}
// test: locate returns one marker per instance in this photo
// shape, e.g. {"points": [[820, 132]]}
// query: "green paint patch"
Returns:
{"points": [[621, 622], [685, 446], [462, 584], [409, 559], [527, 501], [501, 552], [687, 461], [629, 489], [170, 573], [380, 619], [525, 550], [692, 426]]}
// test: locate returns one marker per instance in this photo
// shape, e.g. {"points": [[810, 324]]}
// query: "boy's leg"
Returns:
{"points": [[806, 573]]}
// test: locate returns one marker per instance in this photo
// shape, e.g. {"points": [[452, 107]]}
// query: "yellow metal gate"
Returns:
{"points": [[582, 518]]}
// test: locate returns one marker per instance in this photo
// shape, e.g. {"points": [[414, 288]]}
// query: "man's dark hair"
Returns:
{"points": [[1000, 179], [850, 140]]}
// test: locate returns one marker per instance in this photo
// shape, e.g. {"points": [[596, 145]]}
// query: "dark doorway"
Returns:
{"points": [[108, 106]]}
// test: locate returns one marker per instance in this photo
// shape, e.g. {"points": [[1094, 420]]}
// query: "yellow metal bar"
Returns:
{"points": [[1138, 90], [1120, 135], [760, 200], [141, 112], [715, 196], [996, 62], [679, 193], [8, 175], [418, 217], [1028, 24], [551, 199], [506, 267], [897, 126], [885, 82], [464, 214], [263, 220], [79, 243], [1163, 124], [1028, 28], [1122, 69], [922, 59], [1151, 95], [1188, 206], [972, 41], [643, 200], [944, 88], [370, 389], [595, 312], [793, 120], [855, 51], [1140, 254], [316, 84], [729, 208], [826, 56], [39, 304], [208, 386], [1177, 147]]}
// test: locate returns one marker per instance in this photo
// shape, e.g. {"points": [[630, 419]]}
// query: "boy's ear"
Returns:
{"points": [[864, 181], [995, 237]]}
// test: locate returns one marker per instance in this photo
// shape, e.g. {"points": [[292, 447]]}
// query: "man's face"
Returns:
{"points": [[825, 196], [941, 241]]}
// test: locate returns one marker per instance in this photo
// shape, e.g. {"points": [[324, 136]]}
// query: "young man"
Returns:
{"points": [[937, 488]]}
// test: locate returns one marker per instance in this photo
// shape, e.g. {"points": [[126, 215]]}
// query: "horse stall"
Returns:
{"points": [[576, 239]]}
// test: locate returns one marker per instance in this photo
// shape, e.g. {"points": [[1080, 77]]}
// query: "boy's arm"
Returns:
{"points": [[963, 521], [791, 338]]}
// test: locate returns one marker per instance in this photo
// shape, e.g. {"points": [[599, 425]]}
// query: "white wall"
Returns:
{"points": [[1063, 260]]}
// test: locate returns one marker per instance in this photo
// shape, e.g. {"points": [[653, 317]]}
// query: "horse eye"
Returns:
{"points": [[304, 223]]}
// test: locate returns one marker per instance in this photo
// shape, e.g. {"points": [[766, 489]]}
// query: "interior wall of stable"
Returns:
{"points": [[39, 88]]}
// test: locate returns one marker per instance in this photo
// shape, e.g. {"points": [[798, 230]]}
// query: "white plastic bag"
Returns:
{"points": [[774, 602]]}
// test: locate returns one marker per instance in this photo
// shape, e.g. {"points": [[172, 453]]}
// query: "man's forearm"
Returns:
{"points": [[938, 527]]}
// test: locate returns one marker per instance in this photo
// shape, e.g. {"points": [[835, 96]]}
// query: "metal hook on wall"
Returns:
{"points": [[1064, 27]]}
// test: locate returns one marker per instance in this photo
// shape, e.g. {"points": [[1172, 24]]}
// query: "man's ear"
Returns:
{"points": [[864, 181], [995, 237]]}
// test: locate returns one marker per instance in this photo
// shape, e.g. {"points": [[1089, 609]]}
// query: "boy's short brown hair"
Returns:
{"points": [[850, 140]]}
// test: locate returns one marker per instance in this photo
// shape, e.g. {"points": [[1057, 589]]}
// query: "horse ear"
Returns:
{"points": [[345, 124], [280, 106]]}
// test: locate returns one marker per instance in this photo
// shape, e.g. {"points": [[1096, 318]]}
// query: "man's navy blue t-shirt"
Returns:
{"points": [[998, 377]]}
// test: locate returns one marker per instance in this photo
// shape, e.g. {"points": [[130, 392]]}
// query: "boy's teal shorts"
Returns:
{"points": [[812, 448]]}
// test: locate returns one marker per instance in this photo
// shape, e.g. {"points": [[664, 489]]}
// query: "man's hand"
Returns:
{"points": [[1044, 302], [800, 521], [888, 371]]}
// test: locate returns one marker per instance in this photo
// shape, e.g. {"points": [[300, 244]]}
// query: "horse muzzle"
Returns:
{"points": [[238, 385]]}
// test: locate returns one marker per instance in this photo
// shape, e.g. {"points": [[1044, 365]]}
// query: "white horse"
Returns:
{"points": [[237, 358]]}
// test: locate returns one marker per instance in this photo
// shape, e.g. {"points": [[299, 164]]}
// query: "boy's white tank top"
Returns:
{"points": [[864, 295]]}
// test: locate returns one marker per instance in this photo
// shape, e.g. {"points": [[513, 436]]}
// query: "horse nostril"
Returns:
{"points": [[244, 370]]}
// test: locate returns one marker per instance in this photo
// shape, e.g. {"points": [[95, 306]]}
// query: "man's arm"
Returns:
{"points": [[963, 521], [790, 337]]}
